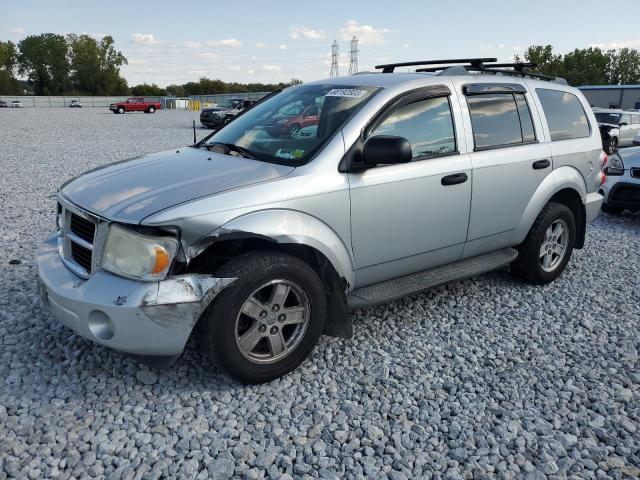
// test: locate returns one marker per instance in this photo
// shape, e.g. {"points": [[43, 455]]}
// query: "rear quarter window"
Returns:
{"points": [[565, 115]]}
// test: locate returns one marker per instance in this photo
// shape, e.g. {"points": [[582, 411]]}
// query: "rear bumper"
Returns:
{"points": [[592, 204], [624, 195], [143, 318]]}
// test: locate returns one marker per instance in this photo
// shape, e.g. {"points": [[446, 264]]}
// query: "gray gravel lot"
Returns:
{"points": [[485, 378]]}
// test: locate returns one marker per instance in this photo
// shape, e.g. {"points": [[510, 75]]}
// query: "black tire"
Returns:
{"points": [[152, 109], [612, 144], [528, 265], [611, 210], [120, 110], [217, 327]]}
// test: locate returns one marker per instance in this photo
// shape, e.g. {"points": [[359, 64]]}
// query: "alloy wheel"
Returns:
{"points": [[272, 321], [554, 245]]}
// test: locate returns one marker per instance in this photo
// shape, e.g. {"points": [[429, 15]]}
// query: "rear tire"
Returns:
{"points": [[612, 144], [120, 109], [547, 249], [152, 109], [286, 326]]}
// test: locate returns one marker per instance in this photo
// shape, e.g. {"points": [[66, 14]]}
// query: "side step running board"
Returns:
{"points": [[399, 287]]}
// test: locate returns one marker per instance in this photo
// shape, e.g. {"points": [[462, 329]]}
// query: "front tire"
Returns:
{"points": [[268, 320], [546, 250], [120, 110], [152, 109]]}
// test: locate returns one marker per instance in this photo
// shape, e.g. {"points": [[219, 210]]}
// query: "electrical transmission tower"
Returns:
{"points": [[334, 60], [353, 61]]}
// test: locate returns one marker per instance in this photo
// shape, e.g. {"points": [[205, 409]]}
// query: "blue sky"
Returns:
{"points": [[175, 42]]}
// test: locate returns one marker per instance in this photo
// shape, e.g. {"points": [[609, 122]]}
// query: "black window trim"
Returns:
{"points": [[404, 98], [513, 95], [547, 121], [473, 89]]}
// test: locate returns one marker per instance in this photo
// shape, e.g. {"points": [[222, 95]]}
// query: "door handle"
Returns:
{"points": [[540, 164], [454, 179]]}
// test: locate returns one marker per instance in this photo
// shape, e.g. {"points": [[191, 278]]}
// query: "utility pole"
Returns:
{"points": [[334, 60], [353, 60]]}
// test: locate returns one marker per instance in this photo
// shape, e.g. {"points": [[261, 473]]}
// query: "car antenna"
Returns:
{"points": [[194, 132]]}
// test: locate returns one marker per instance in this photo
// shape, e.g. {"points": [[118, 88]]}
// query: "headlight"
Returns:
{"points": [[615, 166], [138, 256], [284, 120]]}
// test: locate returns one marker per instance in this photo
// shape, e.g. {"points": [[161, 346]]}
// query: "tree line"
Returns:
{"points": [[52, 64], [587, 66]]}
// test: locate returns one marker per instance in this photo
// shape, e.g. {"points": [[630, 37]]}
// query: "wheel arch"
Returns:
{"points": [[294, 233], [564, 185]]}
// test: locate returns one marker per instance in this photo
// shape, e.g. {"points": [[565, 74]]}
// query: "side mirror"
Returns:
{"points": [[386, 150], [623, 124]]}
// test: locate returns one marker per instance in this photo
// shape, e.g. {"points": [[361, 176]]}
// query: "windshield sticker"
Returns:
{"points": [[346, 92], [290, 153]]}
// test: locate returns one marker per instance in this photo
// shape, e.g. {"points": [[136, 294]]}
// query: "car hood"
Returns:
{"points": [[131, 190]]}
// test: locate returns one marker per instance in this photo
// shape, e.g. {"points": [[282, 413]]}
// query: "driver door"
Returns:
{"points": [[409, 217]]}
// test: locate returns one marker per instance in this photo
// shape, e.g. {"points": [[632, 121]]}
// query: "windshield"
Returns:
{"points": [[291, 126], [229, 103], [604, 117]]}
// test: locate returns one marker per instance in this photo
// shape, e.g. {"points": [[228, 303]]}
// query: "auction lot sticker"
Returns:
{"points": [[345, 92]]}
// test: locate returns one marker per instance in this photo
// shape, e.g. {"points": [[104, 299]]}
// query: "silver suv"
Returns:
{"points": [[258, 244]]}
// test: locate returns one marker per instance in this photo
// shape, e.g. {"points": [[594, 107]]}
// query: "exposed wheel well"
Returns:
{"points": [[338, 322], [572, 199]]}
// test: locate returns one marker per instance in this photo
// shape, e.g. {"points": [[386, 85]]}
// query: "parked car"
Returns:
{"points": [[636, 140], [3, 104], [291, 119], [618, 127], [258, 245], [16, 104], [75, 104], [621, 189], [136, 104], [216, 117]]}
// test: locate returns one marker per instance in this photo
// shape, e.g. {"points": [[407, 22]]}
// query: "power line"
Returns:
{"points": [[334, 72], [353, 59]]}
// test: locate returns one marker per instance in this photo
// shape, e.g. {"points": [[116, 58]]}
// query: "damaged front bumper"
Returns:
{"points": [[149, 319]]}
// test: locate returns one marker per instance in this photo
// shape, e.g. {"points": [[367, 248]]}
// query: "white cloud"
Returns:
{"points": [[306, 32], [209, 56], [272, 68], [282, 46], [137, 61], [405, 45], [367, 35], [260, 45], [189, 44], [634, 44], [18, 31], [250, 72], [144, 38], [234, 68], [228, 42]]}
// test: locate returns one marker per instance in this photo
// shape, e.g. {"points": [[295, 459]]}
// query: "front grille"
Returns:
{"points": [[78, 234], [82, 227], [81, 255], [635, 172]]}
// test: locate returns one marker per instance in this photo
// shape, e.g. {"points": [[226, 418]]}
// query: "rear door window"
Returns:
{"points": [[500, 119], [565, 116]]}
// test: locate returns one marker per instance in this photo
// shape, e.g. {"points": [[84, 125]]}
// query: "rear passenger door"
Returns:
{"points": [[509, 162]]}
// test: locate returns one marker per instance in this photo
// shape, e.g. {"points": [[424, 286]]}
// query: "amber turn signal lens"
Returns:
{"points": [[162, 259]]}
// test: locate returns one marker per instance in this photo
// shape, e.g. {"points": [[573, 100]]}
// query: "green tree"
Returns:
{"points": [[624, 68], [43, 59], [148, 90], [9, 85], [587, 66], [547, 63], [95, 65], [176, 90]]}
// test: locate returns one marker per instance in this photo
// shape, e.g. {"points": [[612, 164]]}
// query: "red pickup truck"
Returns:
{"points": [[135, 104]]}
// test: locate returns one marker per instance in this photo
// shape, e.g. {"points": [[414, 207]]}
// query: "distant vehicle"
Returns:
{"points": [[3, 104], [636, 140], [16, 104], [216, 117], [75, 104], [618, 128], [135, 104], [291, 120], [621, 189], [308, 132]]}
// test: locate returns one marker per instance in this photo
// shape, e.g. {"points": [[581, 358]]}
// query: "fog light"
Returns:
{"points": [[101, 325]]}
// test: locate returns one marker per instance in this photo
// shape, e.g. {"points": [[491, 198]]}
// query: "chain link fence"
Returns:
{"points": [[183, 103]]}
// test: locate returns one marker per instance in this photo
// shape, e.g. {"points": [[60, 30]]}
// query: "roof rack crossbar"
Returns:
{"points": [[518, 70], [476, 62]]}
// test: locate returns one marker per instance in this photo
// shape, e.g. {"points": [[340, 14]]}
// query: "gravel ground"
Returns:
{"points": [[485, 378]]}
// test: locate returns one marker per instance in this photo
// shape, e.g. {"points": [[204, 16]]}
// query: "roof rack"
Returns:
{"points": [[476, 62], [517, 70]]}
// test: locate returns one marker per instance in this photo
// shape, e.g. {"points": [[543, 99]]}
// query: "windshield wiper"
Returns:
{"points": [[232, 147]]}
